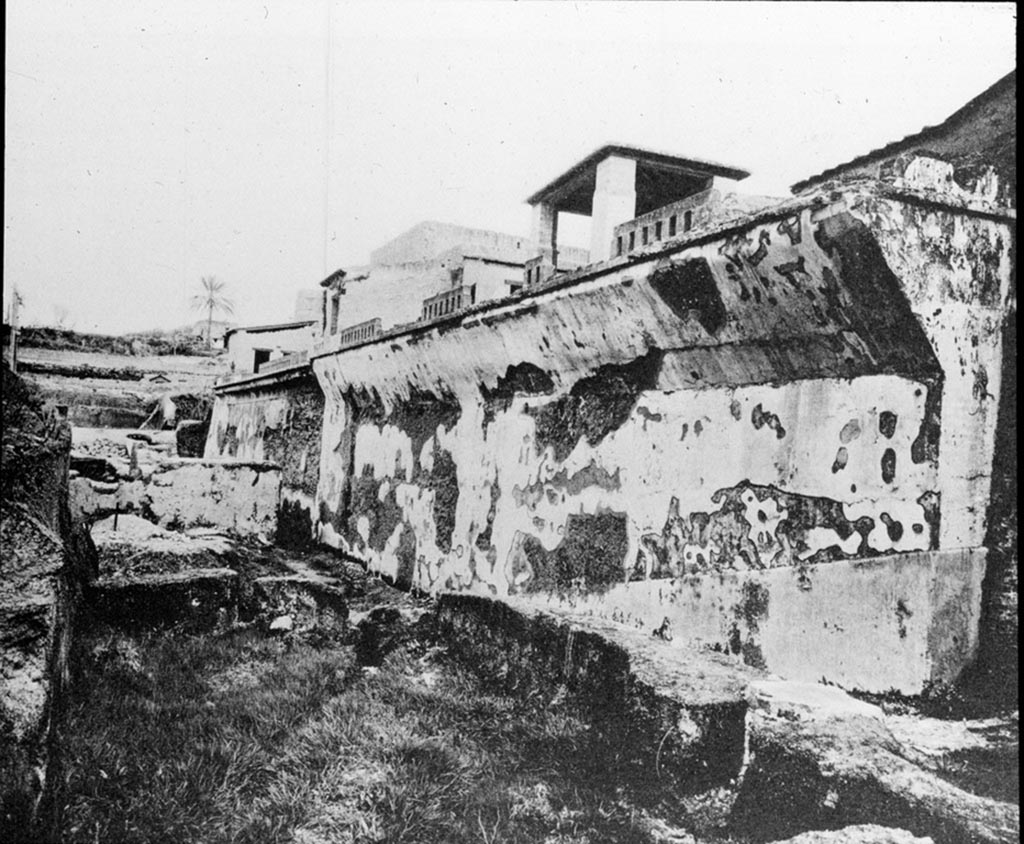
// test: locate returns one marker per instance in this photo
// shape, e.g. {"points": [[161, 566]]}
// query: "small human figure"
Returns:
{"points": [[665, 631]]}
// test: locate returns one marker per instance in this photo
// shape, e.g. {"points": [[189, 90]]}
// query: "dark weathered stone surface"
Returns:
{"points": [[311, 604], [190, 436], [821, 760], [44, 562], [202, 599], [590, 555], [295, 524], [34, 612], [381, 631], [997, 669], [595, 406], [295, 445], [678, 711]]}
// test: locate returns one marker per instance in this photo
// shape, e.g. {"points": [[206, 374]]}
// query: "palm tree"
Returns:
{"points": [[212, 299]]}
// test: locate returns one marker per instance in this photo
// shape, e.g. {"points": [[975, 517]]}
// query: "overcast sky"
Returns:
{"points": [[268, 142]]}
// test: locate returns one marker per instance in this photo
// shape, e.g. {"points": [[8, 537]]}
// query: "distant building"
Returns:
{"points": [[217, 328], [309, 305], [428, 272], [635, 197], [249, 347]]}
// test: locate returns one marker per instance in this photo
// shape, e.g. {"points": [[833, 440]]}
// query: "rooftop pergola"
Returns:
{"points": [[614, 184]]}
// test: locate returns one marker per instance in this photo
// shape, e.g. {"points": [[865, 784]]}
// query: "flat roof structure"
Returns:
{"points": [[612, 185], [661, 178], [259, 329]]}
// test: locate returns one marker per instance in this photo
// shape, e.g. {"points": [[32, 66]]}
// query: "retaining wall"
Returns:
{"points": [[777, 438], [280, 424]]}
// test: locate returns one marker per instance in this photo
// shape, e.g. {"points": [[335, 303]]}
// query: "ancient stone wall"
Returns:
{"points": [[239, 497], [44, 565], [778, 437], [282, 426]]}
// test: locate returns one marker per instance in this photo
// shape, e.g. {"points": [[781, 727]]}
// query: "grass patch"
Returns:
{"points": [[238, 738]]}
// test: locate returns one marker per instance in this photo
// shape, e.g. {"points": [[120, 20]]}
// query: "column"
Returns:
{"points": [[545, 230], [614, 203]]}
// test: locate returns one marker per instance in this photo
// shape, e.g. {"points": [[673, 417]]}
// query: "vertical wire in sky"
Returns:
{"points": [[327, 133]]}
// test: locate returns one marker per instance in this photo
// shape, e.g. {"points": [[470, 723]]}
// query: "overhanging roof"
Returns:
{"points": [[667, 177], [258, 329]]}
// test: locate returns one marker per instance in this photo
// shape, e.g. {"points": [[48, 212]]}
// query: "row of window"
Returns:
{"points": [[350, 335], [646, 231], [533, 275], [359, 333], [452, 301]]}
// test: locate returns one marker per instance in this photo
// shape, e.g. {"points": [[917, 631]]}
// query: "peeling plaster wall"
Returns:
{"points": [[797, 397], [771, 407], [956, 271], [959, 276], [280, 425]]}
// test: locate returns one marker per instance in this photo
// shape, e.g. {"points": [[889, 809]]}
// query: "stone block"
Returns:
{"points": [[191, 437], [820, 759], [311, 604], [681, 711], [901, 622], [202, 599]]}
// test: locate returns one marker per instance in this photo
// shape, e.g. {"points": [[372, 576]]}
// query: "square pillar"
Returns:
{"points": [[614, 203], [545, 231]]}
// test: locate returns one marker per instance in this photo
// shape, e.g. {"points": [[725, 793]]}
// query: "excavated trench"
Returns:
{"points": [[228, 689], [241, 691]]}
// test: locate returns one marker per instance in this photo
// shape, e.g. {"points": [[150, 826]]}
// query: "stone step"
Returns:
{"points": [[818, 758], [678, 711], [757, 756], [200, 599], [216, 598]]}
